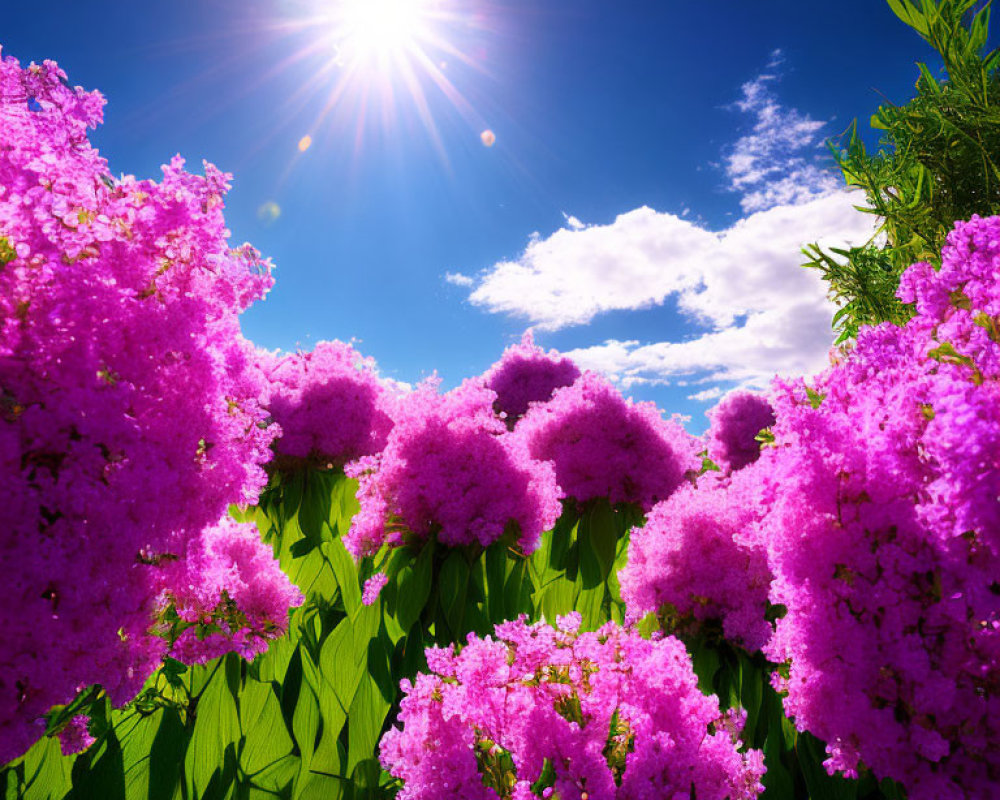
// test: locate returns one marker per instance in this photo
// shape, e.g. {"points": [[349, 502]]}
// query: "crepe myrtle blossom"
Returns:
{"points": [[604, 446], [693, 565], [736, 421], [883, 534], [329, 403], [129, 413], [591, 715], [451, 470], [526, 374]]}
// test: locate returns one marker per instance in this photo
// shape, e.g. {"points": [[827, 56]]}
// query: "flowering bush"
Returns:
{"points": [[329, 404], [526, 374], [133, 414], [693, 564], [883, 536], [226, 594], [451, 470], [736, 421], [128, 398], [604, 446], [539, 711]]}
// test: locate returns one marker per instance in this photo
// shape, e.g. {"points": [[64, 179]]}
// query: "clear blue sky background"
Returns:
{"points": [[598, 108]]}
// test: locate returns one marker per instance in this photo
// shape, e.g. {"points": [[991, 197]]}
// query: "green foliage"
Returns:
{"points": [[938, 161], [576, 567], [303, 720]]}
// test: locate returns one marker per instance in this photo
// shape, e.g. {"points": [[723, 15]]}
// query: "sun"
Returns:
{"points": [[380, 33], [382, 65]]}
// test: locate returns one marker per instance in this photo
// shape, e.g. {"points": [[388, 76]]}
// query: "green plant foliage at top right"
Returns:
{"points": [[938, 161]]}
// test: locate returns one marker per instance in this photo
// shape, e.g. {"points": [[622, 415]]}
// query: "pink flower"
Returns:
{"points": [[129, 413], [329, 403], [614, 715], [736, 421], [526, 374], [451, 470], [602, 445], [373, 586]]}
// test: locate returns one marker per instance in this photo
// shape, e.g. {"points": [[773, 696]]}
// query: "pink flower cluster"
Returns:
{"points": [[329, 404], [373, 588], [693, 565], [450, 469], [602, 715], [228, 593], [883, 532], [526, 374], [75, 737], [736, 421], [603, 445], [128, 398]]}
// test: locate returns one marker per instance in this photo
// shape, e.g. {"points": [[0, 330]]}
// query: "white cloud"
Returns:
{"points": [[755, 311], [458, 279], [760, 311], [573, 275], [707, 396], [768, 165]]}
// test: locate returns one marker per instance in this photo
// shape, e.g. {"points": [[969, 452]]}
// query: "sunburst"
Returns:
{"points": [[384, 54]]}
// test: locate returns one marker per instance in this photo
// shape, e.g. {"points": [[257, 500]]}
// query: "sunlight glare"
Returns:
{"points": [[379, 30], [387, 61]]}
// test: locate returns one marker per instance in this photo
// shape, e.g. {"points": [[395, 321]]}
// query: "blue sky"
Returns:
{"points": [[655, 169]]}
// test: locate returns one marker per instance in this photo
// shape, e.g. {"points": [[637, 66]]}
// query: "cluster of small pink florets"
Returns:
{"points": [[228, 593], [526, 374], [450, 469], [329, 404], [593, 715], [693, 564], [883, 532], [736, 421], [128, 398], [604, 446]]}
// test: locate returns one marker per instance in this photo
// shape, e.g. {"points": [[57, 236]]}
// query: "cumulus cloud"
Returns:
{"points": [[759, 312], [576, 273], [754, 311]]}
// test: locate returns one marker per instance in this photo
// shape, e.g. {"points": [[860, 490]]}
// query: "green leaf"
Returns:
{"points": [[815, 398], [752, 682], [495, 564], [558, 598], [371, 705], [216, 730], [453, 587], [160, 733], [99, 772], [778, 750], [706, 663], [273, 781], [265, 737], [42, 774], [591, 605], [601, 528], [166, 756], [516, 590], [414, 587], [346, 571], [306, 719]]}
